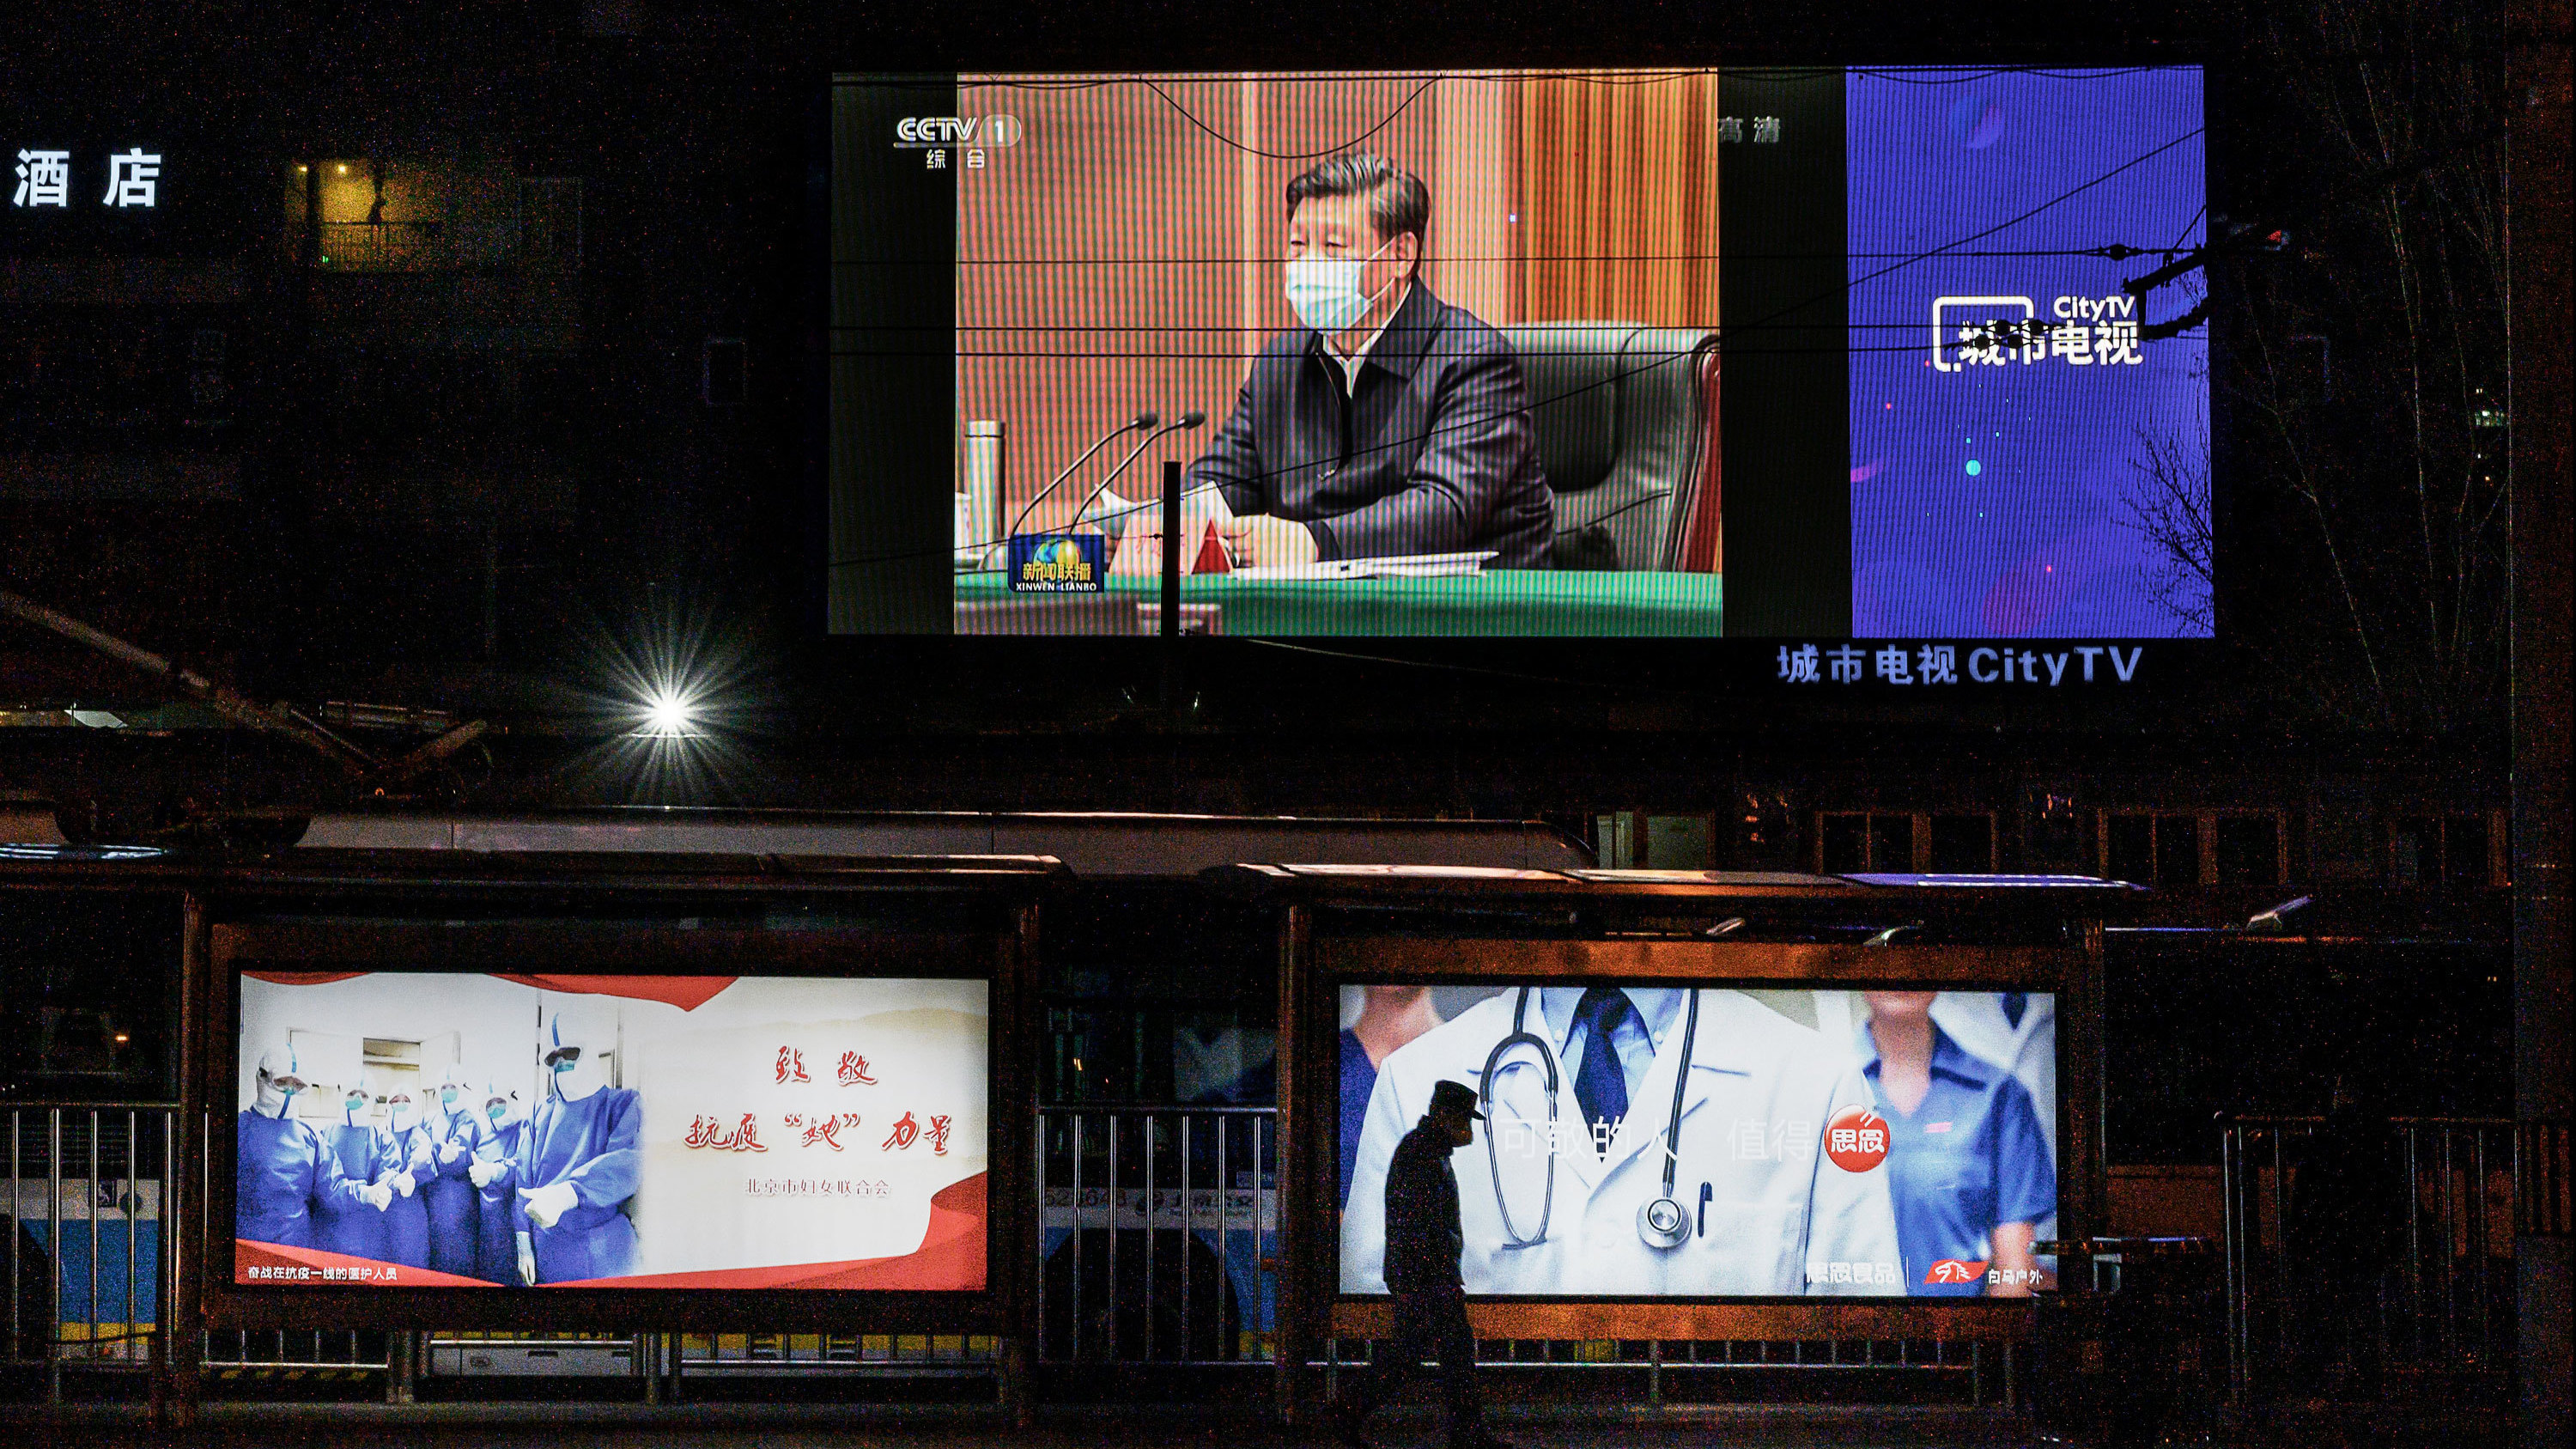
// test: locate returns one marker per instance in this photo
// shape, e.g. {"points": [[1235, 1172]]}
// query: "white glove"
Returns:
{"points": [[403, 1183], [527, 1261], [376, 1195], [548, 1204], [448, 1152], [481, 1174]]}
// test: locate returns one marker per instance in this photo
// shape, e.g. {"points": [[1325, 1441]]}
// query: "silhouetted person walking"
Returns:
{"points": [[1422, 1247]]}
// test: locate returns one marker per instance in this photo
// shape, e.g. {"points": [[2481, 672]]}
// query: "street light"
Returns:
{"points": [[669, 714]]}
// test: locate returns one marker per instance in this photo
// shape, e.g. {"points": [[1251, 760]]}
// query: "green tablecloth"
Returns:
{"points": [[1503, 602]]}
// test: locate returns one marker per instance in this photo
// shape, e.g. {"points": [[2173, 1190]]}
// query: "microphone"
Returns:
{"points": [[1183, 423], [1136, 424]]}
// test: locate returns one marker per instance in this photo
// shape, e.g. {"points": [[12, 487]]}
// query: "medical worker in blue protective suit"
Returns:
{"points": [[495, 1178], [454, 1135], [282, 1167], [341, 1226], [1967, 1164], [578, 1170], [403, 1166]]}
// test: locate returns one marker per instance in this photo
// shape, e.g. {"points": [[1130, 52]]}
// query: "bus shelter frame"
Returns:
{"points": [[969, 918], [1354, 925]]}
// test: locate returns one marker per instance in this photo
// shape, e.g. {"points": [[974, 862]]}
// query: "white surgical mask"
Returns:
{"points": [[1325, 291]]}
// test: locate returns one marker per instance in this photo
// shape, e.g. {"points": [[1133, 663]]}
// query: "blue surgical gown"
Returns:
{"points": [[407, 1218], [496, 1250], [1969, 1158], [280, 1169], [446, 1196], [1359, 1079], [590, 1144], [350, 1226]]}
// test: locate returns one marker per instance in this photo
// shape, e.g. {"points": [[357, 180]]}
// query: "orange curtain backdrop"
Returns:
{"points": [[1616, 180], [1127, 252]]}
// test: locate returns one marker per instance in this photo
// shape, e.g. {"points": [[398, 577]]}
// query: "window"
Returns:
{"points": [[1766, 832], [1634, 840], [2161, 850], [1961, 844], [2249, 850], [1846, 843], [1679, 842], [2179, 850], [2449, 852]]}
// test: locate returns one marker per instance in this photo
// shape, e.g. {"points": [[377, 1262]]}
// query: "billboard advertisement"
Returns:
{"points": [[650, 1132], [1810, 355], [1657, 1141]]}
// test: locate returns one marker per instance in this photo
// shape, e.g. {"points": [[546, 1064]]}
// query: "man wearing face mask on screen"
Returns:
{"points": [[1390, 423]]}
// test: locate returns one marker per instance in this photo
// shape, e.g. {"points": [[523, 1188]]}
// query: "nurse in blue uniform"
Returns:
{"points": [[494, 1176], [342, 1225], [579, 1170], [448, 1196], [1967, 1163], [281, 1166], [401, 1167], [1389, 1017]]}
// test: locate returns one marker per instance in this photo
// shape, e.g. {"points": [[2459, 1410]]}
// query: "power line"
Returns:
{"points": [[2113, 251]]}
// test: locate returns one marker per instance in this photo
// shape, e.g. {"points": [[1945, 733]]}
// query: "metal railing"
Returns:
{"points": [[2444, 1303], [1158, 1233], [1679, 1370], [318, 1355], [428, 246], [87, 1274], [800, 1355]]}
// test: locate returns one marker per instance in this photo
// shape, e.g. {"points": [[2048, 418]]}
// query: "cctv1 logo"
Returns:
{"points": [[1856, 1139], [994, 130]]}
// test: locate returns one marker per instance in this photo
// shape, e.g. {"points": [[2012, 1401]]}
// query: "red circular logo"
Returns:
{"points": [[1856, 1139]]}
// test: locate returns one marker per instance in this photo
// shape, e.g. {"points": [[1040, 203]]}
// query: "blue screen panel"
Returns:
{"points": [[2007, 419]]}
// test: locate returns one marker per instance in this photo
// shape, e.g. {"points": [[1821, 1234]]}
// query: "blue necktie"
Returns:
{"points": [[2014, 1004], [1601, 1085]]}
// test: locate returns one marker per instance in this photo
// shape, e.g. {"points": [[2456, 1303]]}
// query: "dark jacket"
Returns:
{"points": [[1431, 453], [1422, 1236]]}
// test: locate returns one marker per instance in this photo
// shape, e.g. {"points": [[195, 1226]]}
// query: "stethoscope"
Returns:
{"points": [[1661, 1223]]}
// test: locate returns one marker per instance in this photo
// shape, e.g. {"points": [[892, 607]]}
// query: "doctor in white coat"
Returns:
{"points": [[1765, 1211]]}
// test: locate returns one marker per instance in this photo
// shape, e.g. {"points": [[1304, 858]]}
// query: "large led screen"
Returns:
{"points": [[1788, 354], [2028, 458], [1662, 1141], [405, 1130]]}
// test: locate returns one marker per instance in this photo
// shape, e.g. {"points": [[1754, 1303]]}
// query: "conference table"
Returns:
{"points": [[1510, 603]]}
